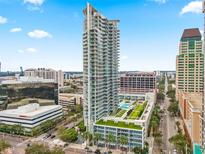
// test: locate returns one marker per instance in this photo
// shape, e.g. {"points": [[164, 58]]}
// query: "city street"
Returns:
{"points": [[168, 125]]}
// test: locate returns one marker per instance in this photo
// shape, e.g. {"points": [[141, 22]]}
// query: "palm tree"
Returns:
{"points": [[86, 137], [137, 150], [154, 125], [110, 139], [97, 137], [123, 141]]}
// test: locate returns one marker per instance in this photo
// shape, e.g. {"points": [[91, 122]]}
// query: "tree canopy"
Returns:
{"points": [[43, 149], [3, 145], [69, 135]]}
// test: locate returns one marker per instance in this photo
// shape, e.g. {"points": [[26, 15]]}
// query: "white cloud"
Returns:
{"points": [[123, 57], [192, 7], [28, 50], [14, 30], [39, 34], [34, 8], [34, 2], [160, 1], [3, 20]]}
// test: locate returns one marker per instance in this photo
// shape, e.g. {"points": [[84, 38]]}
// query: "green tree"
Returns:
{"points": [[36, 131], [138, 150], [97, 137], [43, 149], [178, 127], [18, 129], [88, 137], [158, 138], [110, 139], [160, 96], [69, 135], [4, 145], [37, 149], [82, 127], [173, 109], [154, 124], [179, 141], [171, 93], [47, 125], [57, 150], [123, 141]]}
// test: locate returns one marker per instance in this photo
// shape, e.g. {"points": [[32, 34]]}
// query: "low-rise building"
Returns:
{"points": [[30, 116], [130, 120], [65, 102]]}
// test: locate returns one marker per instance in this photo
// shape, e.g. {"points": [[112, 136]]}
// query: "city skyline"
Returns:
{"points": [[43, 32]]}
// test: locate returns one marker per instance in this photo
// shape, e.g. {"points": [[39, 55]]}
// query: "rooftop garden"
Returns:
{"points": [[118, 124], [137, 111], [120, 113]]}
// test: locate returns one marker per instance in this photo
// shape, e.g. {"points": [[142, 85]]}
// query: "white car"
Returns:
{"points": [[174, 151]]}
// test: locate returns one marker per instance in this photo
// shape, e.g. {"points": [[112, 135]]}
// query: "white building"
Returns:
{"points": [[100, 65], [134, 128], [30, 116], [44, 73]]}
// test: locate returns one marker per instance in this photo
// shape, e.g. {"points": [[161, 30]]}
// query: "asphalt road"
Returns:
{"points": [[168, 125]]}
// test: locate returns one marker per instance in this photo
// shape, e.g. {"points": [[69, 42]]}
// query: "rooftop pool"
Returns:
{"points": [[124, 106]]}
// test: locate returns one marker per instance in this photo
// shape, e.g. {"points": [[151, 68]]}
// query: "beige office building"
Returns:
{"points": [[189, 62]]}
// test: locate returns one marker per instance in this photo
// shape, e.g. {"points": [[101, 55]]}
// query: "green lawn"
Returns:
{"points": [[137, 112], [118, 124], [120, 113]]}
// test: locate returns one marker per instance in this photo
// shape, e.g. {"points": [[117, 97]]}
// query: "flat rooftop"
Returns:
{"points": [[119, 124], [130, 114], [195, 100], [140, 74], [29, 111]]}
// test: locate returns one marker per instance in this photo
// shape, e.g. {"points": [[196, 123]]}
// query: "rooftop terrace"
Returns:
{"points": [[119, 124], [131, 110]]}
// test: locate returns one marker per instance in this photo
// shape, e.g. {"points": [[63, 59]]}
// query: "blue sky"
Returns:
{"points": [[48, 33]]}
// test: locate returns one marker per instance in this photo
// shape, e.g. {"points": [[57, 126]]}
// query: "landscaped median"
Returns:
{"points": [[120, 124]]}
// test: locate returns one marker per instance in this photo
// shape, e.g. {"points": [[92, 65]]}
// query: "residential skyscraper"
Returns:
{"points": [[189, 62], [100, 65]]}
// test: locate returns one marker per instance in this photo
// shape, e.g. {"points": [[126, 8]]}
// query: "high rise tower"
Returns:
{"points": [[189, 83], [100, 65], [189, 63]]}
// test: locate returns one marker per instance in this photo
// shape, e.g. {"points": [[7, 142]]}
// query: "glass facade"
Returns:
{"points": [[25, 93], [100, 65]]}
